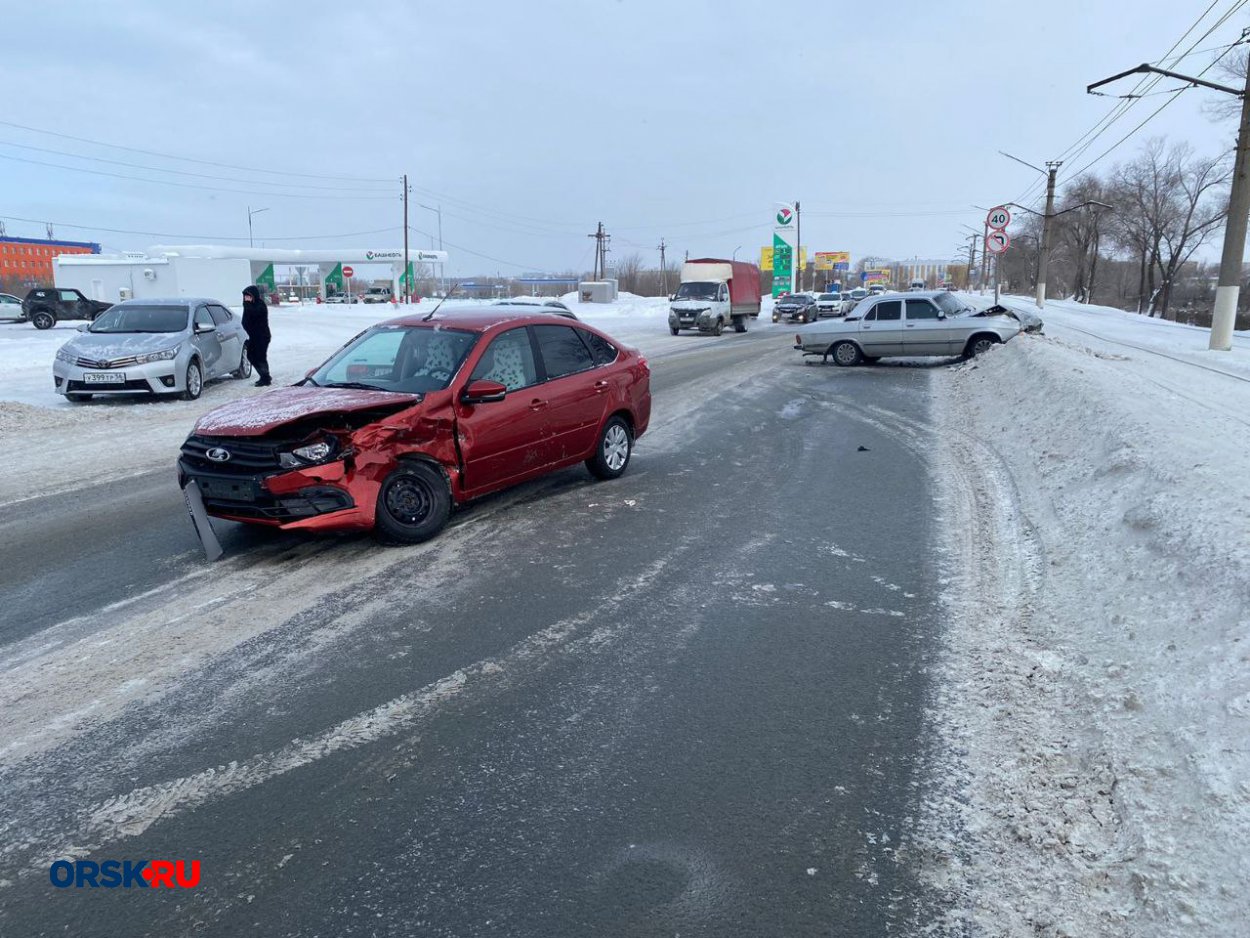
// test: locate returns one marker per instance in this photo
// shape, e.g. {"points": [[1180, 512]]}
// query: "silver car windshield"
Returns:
{"points": [[141, 319], [949, 305]]}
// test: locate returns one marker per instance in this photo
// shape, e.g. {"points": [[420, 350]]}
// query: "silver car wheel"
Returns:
{"points": [[615, 447], [845, 353], [194, 382], [982, 345]]}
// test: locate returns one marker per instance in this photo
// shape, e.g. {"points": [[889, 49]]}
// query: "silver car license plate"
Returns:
{"points": [[104, 377]]}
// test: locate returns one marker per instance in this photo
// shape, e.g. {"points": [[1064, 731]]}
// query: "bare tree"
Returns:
{"points": [[627, 271], [1199, 207], [1080, 233]]}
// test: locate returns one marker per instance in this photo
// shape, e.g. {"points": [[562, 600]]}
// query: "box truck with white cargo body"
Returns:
{"points": [[715, 293]]}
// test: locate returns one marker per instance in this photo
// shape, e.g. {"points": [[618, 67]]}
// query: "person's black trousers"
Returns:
{"points": [[258, 355]]}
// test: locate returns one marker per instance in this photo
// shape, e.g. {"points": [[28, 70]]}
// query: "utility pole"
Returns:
{"points": [[407, 280], [985, 256], [796, 283], [972, 258], [1043, 246], [1228, 286], [1052, 168], [663, 269], [601, 251]]}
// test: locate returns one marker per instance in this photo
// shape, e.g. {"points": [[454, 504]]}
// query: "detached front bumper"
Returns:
{"points": [[321, 497]]}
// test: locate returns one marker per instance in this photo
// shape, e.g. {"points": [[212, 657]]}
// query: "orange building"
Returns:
{"points": [[27, 262]]}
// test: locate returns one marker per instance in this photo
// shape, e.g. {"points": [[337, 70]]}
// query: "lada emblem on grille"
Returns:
{"points": [[218, 454]]}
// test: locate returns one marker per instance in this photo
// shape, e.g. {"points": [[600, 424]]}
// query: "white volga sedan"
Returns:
{"points": [[912, 324]]}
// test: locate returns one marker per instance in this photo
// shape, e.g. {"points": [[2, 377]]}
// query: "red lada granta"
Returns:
{"points": [[416, 415]]}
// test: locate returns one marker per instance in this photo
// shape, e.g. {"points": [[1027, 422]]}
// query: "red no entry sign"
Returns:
{"points": [[347, 271]]}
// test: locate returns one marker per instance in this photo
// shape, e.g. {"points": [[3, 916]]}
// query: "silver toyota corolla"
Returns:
{"points": [[153, 347]]}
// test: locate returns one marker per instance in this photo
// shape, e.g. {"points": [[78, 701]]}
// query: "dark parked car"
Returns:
{"points": [[414, 416], [46, 306], [800, 306]]}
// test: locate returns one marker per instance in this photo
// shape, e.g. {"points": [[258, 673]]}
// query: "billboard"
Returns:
{"points": [[832, 260], [766, 258], [879, 275]]}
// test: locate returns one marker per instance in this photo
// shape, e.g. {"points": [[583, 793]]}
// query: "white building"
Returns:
{"points": [[214, 271]]}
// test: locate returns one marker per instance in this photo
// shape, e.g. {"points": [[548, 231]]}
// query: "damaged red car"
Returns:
{"points": [[415, 416]]}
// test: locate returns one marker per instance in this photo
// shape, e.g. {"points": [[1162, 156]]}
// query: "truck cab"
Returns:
{"points": [[714, 294]]}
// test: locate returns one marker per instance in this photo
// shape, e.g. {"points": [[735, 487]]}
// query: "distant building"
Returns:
{"points": [[27, 262]]}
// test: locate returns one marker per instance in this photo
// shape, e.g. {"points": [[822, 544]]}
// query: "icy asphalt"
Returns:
{"points": [[689, 701]]}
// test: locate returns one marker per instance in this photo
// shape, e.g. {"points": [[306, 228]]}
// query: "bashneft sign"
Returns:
{"points": [[423, 256]]}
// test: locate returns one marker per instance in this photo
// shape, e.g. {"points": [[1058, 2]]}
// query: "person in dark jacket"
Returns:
{"points": [[256, 325]]}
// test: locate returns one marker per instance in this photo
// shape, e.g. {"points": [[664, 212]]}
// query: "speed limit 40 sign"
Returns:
{"points": [[998, 218]]}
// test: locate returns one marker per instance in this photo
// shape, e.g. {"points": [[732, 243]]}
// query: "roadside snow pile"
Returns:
{"points": [[626, 306], [1093, 704]]}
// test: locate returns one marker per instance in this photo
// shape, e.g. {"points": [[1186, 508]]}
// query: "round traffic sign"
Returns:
{"points": [[347, 271], [998, 218], [996, 242]]}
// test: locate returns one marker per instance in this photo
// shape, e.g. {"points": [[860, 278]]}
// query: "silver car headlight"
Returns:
{"points": [[163, 355], [65, 355], [308, 454]]}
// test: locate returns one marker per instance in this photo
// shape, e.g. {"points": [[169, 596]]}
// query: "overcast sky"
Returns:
{"points": [[528, 122]]}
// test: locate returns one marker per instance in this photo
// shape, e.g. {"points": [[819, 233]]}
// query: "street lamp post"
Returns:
{"points": [[734, 255], [250, 212], [439, 212]]}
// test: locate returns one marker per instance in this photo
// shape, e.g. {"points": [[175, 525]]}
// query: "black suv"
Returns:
{"points": [[798, 306], [44, 306]]}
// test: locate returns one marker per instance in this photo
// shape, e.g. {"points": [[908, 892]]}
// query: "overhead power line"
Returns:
{"points": [[190, 159], [183, 172], [1144, 87], [197, 237], [1176, 93], [190, 185]]}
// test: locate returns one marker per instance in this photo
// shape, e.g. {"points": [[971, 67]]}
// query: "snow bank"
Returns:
{"points": [[1094, 694]]}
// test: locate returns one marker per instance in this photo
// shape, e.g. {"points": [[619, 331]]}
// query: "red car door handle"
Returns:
{"points": [[600, 387], [536, 404]]}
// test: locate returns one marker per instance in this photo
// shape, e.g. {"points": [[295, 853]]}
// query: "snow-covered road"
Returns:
{"points": [[1091, 704]]}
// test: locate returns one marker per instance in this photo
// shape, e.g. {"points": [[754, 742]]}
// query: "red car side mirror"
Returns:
{"points": [[483, 392]]}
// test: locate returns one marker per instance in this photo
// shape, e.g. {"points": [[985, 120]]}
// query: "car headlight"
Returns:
{"points": [[163, 355], [65, 355], [309, 453]]}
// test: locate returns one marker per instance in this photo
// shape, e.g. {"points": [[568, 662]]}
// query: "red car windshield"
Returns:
{"points": [[403, 359]]}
